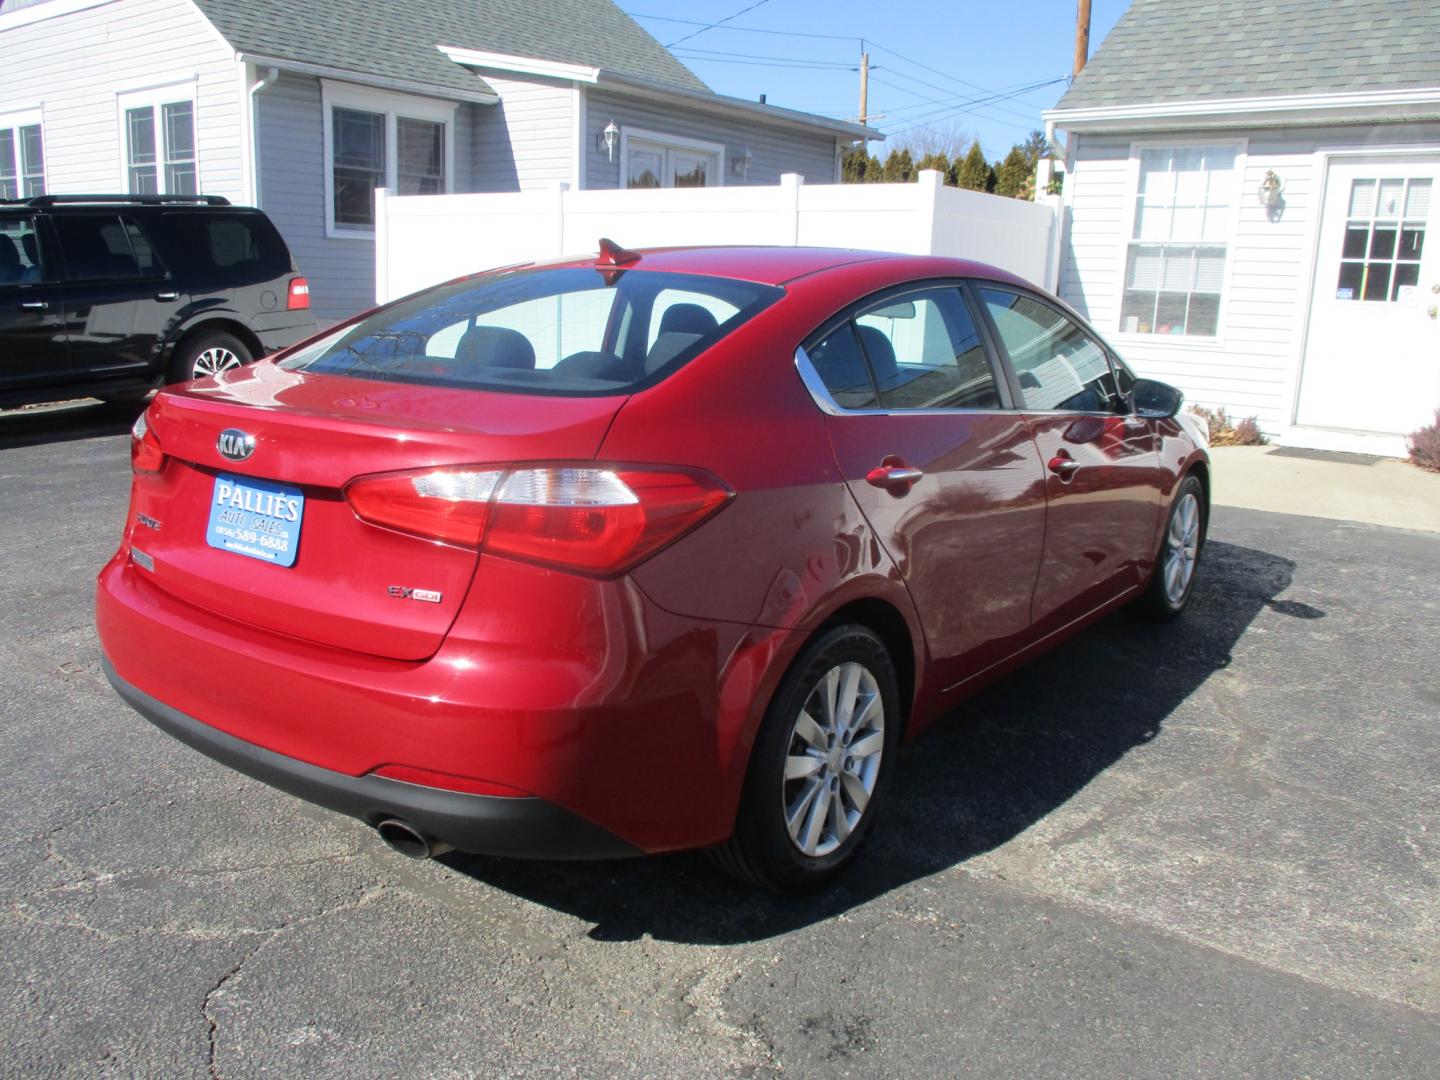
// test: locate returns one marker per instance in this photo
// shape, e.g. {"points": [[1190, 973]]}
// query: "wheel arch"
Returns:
{"points": [[216, 324], [887, 622]]}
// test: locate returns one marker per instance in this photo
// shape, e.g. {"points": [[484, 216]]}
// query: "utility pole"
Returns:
{"points": [[864, 86], [1082, 36]]}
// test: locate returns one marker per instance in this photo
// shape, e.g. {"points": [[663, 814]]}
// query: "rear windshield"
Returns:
{"points": [[228, 250], [563, 331]]}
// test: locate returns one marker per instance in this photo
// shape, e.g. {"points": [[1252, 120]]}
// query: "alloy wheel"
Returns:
{"points": [[1182, 546], [833, 759], [213, 360]]}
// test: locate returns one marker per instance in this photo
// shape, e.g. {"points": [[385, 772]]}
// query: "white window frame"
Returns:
{"points": [[667, 143], [1127, 237], [154, 97], [10, 125], [341, 95]]}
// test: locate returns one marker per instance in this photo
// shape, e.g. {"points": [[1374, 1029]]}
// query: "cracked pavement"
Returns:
{"points": [[1211, 849]]}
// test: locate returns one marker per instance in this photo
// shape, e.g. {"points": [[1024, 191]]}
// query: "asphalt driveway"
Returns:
{"points": [[1207, 850]]}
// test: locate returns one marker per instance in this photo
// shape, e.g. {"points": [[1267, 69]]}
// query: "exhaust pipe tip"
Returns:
{"points": [[409, 841]]}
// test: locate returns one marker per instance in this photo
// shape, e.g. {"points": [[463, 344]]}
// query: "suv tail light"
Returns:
{"points": [[598, 520], [146, 456], [299, 295]]}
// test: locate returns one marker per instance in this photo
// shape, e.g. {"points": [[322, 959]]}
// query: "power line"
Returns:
{"points": [[744, 29], [720, 22], [808, 60], [1029, 118], [917, 122], [791, 65]]}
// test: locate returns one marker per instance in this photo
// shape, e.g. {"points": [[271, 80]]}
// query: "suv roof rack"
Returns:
{"points": [[130, 200]]}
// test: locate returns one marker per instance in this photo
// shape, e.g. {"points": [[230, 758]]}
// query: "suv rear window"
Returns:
{"points": [[561, 331], [224, 250]]}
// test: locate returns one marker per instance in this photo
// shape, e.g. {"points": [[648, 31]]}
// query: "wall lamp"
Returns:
{"points": [[1270, 189], [740, 163], [608, 139]]}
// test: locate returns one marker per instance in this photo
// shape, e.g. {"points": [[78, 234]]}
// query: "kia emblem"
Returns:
{"points": [[235, 445]]}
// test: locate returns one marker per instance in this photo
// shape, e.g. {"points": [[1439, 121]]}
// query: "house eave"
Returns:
{"points": [[1381, 106], [479, 95], [635, 86]]}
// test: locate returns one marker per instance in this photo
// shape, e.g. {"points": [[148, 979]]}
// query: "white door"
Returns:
{"points": [[1372, 353]]}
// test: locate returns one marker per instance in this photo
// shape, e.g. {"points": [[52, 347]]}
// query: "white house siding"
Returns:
{"points": [[526, 141], [1252, 368], [773, 149], [341, 271], [72, 66]]}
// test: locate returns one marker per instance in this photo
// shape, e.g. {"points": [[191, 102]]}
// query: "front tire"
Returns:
{"points": [[207, 353], [820, 766], [1173, 578]]}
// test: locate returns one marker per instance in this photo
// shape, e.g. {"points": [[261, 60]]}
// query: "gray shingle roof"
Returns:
{"points": [[397, 39], [1174, 50]]}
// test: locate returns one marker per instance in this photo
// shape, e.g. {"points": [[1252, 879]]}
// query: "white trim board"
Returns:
{"points": [[479, 95], [1377, 105]]}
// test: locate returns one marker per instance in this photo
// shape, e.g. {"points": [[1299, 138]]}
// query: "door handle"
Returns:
{"points": [[1064, 466], [891, 476], [167, 295], [34, 305]]}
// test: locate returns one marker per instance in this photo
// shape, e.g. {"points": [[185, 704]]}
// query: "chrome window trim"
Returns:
{"points": [[820, 394]]}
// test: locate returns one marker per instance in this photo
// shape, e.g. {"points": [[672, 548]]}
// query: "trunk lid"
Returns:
{"points": [[352, 585]]}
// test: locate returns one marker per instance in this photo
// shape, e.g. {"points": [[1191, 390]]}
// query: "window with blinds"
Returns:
{"points": [[1175, 263]]}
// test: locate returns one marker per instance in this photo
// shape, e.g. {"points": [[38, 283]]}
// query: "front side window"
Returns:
{"points": [[160, 146], [378, 142], [564, 332], [916, 351], [20, 259], [1175, 260], [1059, 366], [22, 158]]}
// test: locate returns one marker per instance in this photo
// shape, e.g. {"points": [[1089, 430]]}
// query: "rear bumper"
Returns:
{"points": [[481, 824]]}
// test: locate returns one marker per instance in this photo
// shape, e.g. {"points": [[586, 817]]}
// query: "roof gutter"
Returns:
{"points": [[479, 95], [1271, 111]]}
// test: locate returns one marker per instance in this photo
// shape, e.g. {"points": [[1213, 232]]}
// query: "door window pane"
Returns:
{"points": [[140, 129], [645, 168], [96, 247], [926, 353], [1381, 251], [420, 154], [842, 368], [19, 251], [359, 164], [1060, 367]]}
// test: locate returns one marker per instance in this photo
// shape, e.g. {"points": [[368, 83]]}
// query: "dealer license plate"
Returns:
{"points": [[256, 518]]}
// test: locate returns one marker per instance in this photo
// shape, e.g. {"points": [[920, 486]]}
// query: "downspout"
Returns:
{"points": [[268, 79]]}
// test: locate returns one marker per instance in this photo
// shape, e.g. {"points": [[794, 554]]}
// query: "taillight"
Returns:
{"points": [[598, 520], [299, 295], [145, 453]]}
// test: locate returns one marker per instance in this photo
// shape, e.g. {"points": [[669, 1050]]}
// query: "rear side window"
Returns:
{"points": [[104, 247], [228, 250], [920, 350], [561, 331]]}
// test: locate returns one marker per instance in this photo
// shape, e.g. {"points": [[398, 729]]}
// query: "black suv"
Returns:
{"points": [[112, 295]]}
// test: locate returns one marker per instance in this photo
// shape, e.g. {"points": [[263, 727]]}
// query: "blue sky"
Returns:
{"points": [[930, 63]]}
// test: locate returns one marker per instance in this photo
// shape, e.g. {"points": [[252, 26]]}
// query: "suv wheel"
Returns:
{"points": [[821, 761], [207, 353]]}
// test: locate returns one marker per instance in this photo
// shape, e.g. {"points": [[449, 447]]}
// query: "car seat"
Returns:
{"points": [[10, 269], [496, 346]]}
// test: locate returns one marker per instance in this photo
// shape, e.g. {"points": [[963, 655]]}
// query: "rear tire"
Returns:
{"points": [[207, 353], [1176, 565], [820, 766]]}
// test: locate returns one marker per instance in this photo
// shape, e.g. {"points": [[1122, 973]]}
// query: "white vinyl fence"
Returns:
{"points": [[424, 239]]}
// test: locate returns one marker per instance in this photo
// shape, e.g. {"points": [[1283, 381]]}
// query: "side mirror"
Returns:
{"points": [[1153, 400]]}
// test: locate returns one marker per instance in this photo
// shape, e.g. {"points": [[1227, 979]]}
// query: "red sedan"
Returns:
{"points": [[656, 550]]}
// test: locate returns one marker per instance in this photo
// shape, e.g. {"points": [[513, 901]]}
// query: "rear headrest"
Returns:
{"points": [[880, 352], [496, 346], [687, 319], [668, 346], [9, 256], [840, 364]]}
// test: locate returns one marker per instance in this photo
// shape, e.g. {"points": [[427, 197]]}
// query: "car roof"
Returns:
{"points": [[780, 265]]}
